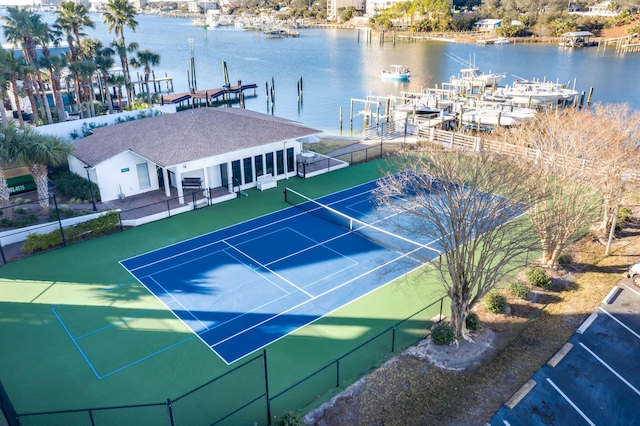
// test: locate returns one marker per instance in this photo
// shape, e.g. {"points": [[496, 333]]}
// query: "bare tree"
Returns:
{"points": [[469, 207], [611, 143], [560, 157]]}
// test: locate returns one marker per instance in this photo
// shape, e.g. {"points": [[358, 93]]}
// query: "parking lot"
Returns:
{"points": [[594, 379]]}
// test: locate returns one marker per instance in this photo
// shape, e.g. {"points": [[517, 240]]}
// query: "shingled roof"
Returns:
{"points": [[188, 135]]}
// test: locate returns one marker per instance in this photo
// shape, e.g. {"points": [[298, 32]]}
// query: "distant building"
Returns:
{"points": [[333, 7], [375, 6], [488, 24], [599, 9]]}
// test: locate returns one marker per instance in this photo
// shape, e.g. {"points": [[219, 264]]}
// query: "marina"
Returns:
{"points": [[339, 65]]}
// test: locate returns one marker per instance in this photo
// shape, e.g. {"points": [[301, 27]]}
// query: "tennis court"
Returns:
{"points": [[243, 287]]}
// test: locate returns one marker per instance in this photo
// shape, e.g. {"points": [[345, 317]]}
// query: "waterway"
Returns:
{"points": [[337, 65]]}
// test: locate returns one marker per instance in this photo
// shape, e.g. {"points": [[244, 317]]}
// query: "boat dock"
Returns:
{"points": [[207, 95]]}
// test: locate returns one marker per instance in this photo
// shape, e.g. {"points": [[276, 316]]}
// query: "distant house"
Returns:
{"points": [[218, 147], [488, 24], [599, 9]]}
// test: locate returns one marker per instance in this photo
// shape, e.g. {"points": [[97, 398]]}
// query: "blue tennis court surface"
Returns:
{"points": [[243, 287]]}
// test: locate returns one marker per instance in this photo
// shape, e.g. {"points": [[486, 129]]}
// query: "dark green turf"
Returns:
{"points": [[140, 351]]}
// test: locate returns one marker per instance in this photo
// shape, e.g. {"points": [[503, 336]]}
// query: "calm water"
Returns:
{"points": [[336, 67]]}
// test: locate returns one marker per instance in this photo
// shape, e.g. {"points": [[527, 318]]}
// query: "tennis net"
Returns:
{"points": [[379, 236]]}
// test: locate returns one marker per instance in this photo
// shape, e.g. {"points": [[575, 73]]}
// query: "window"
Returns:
{"points": [[248, 171], [143, 175], [270, 163], [236, 173], [224, 174], [280, 161], [258, 165], [290, 166]]}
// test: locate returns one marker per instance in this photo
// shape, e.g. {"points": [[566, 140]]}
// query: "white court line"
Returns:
{"points": [[307, 301], [270, 270], [575, 407], [506, 423], [284, 219], [178, 302], [610, 368], [620, 322], [316, 245]]}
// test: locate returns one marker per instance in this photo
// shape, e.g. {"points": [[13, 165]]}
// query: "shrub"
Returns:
{"points": [[105, 223], [538, 277], [442, 334], [74, 186], [289, 419], [20, 210], [473, 322], [565, 260], [495, 301], [624, 215], [519, 289]]}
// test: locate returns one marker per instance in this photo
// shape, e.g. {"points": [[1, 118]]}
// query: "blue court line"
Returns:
{"points": [[75, 339], [75, 343]]}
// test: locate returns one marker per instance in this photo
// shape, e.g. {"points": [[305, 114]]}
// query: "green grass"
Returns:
{"points": [[79, 332]]}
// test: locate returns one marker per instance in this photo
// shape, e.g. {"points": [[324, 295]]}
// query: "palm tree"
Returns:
{"points": [[39, 152], [118, 81], [84, 70], [21, 27], [8, 137], [146, 59], [117, 15], [104, 61], [12, 66], [55, 65], [72, 19], [4, 85]]}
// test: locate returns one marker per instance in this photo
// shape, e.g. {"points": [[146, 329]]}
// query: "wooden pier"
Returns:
{"points": [[208, 95]]}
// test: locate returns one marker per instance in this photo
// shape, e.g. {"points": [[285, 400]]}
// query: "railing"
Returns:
{"points": [[222, 401], [21, 220]]}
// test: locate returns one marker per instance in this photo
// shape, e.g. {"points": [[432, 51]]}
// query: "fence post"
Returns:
{"points": [[7, 408], [393, 339], [338, 372], [55, 203], [170, 409], [4, 259], [194, 198], [168, 209], [266, 386]]}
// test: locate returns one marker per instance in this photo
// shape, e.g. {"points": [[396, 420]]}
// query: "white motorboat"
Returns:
{"points": [[534, 93], [398, 73], [492, 116], [473, 77]]}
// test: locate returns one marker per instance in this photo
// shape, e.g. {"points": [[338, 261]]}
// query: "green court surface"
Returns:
{"points": [[77, 332]]}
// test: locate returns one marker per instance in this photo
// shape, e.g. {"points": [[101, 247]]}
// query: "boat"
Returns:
{"points": [[418, 109], [473, 77], [491, 116], [398, 73], [534, 93]]}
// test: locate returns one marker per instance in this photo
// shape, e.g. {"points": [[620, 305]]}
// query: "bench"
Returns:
{"points": [[266, 182], [192, 182]]}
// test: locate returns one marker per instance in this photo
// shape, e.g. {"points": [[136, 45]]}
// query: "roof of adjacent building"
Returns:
{"points": [[188, 135]]}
